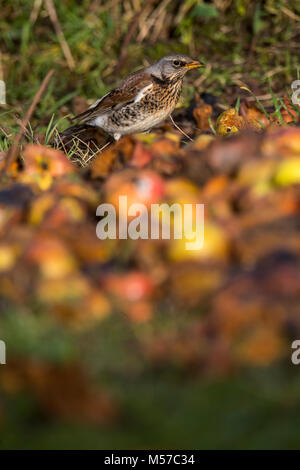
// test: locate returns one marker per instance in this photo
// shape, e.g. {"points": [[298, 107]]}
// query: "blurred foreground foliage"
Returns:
{"points": [[134, 344], [91, 324]]}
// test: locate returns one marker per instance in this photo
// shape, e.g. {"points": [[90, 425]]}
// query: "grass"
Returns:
{"points": [[244, 418], [94, 35], [249, 47]]}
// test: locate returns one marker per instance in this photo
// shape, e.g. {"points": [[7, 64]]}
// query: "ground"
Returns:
{"points": [[143, 344]]}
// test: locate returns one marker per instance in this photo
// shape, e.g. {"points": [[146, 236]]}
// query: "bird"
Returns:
{"points": [[141, 101]]}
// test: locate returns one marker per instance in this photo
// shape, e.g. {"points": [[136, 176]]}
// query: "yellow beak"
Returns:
{"points": [[195, 64]]}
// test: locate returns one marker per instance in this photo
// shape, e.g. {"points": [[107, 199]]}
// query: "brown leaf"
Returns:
{"points": [[201, 115]]}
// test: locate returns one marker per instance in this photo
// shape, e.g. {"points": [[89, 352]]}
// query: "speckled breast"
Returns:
{"points": [[153, 107]]}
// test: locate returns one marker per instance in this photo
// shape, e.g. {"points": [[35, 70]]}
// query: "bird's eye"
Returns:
{"points": [[228, 129], [176, 63]]}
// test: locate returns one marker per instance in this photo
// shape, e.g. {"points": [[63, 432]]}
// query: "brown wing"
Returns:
{"points": [[123, 94]]}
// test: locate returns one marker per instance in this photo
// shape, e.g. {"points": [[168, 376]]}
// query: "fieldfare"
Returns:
{"points": [[139, 102]]}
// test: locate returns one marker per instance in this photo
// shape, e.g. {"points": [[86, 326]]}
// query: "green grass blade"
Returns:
{"points": [[212, 126], [287, 109], [49, 129], [276, 106], [259, 103]]}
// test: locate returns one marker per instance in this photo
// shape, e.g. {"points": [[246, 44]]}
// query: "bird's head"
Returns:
{"points": [[173, 67]]}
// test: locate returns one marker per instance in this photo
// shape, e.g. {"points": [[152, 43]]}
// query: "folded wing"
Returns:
{"points": [[129, 90]]}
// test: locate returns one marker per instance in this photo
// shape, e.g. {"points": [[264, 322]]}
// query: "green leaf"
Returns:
{"points": [[205, 11]]}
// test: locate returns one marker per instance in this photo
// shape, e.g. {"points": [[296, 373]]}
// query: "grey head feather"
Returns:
{"points": [[164, 68]]}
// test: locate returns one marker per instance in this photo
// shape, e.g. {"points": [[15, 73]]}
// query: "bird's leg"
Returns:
{"points": [[179, 129]]}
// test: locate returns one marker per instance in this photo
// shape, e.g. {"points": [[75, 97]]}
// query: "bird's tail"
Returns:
{"points": [[81, 141], [74, 134]]}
